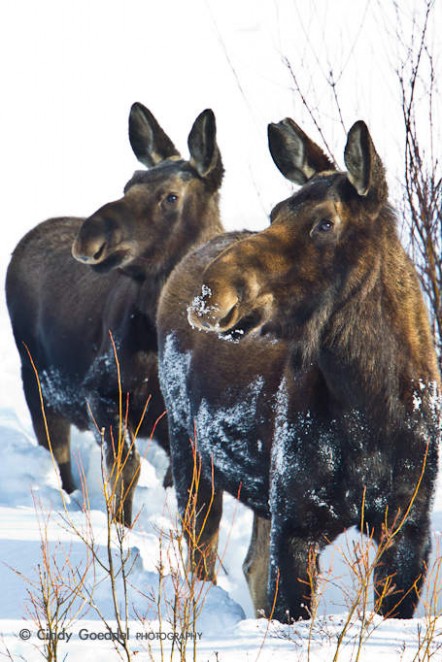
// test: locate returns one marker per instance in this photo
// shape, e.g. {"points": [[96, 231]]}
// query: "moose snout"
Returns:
{"points": [[214, 309], [89, 252], [91, 245]]}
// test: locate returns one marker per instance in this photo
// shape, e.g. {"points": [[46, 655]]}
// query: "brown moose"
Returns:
{"points": [[354, 439], [62, 311]]}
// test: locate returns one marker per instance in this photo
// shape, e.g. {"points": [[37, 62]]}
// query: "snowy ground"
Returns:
{"points": [[61, 123], [32, 511]]}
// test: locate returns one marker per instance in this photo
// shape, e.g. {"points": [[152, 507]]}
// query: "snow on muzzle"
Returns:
{"points": [[229, 311], [216, 308]]}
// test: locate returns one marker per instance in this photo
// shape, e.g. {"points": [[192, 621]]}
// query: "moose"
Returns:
{"points": [[62, 309], [352, 437]]}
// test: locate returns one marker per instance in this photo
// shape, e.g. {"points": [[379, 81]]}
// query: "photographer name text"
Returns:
{"points": [[110, 635]]}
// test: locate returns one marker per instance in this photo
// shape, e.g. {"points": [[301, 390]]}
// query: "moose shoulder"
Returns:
{"points": [[63, 310], [357, 427]]}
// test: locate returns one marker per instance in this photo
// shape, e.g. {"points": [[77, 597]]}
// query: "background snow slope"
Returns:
{"points": [[69, 72]]}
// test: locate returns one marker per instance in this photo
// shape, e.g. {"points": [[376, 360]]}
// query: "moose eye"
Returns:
{"points": [[324, 225], [171, 199]]}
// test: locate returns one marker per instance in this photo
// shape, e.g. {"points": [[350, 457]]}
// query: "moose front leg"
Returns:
{"points": [[256, 564], [200, 519], [292, 574], [401, 570], [199, 504], [123, 470]]}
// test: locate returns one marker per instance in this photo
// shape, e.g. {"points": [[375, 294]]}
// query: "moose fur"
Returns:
{"points": [[354, 440], [63, 309]]}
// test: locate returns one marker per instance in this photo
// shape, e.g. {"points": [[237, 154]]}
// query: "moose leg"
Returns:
{"points": [[123, 470], [292, 574], [401, 570], [51, 429], [256, 563], [200, 522], [199, 503]]}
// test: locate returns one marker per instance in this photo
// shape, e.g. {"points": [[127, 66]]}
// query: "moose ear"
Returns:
{"points": [[365, 169], [148, 140], [358, 156], [296, 156], [205, 156]]}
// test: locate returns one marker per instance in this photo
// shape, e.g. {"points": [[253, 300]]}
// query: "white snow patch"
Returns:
{"points": [[199, 305]]}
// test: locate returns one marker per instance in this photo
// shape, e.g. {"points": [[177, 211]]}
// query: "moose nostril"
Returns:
{"points": [[89, 252], [228, 319], [98, 254]]}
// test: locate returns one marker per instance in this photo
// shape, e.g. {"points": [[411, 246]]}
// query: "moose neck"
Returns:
{"points": [[197, 230], [376, 335]]}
